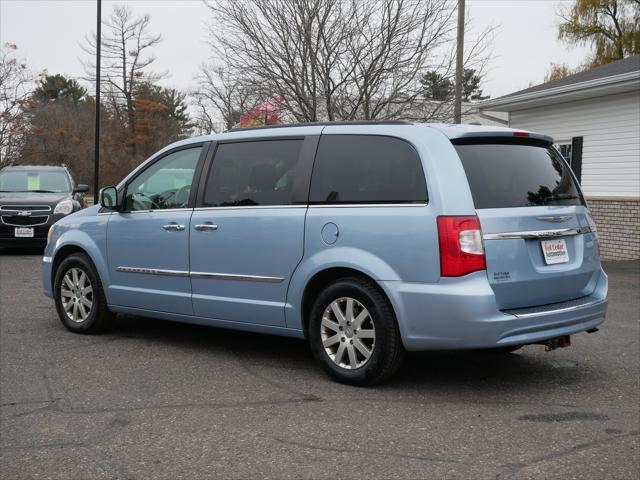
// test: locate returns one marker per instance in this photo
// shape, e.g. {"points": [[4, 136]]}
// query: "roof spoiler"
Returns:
{"points": [[503, 136]]}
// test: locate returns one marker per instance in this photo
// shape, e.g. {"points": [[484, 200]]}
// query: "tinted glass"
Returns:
{"points": [[510, 175], [253, 173], [366, 169], [165, 184], [35, 181]]}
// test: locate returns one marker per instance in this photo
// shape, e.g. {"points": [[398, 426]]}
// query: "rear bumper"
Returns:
{"points": [[462, 313]]}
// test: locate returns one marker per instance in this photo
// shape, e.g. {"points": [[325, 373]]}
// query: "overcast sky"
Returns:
{"points": [[48, 34]]}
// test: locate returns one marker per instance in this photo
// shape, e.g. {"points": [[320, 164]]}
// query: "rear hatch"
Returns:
{"points": [[537, 231]]}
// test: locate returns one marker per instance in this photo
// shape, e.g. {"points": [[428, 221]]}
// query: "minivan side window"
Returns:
{"points": [[366, 169], [253, 173], [165, 184]]}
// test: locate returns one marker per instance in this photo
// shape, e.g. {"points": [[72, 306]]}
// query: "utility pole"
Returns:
{"points": [[96, 154], [457, 100]]}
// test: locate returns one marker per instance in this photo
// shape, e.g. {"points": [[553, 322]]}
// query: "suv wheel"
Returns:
{"points": [[79, 297], [353, 333]]}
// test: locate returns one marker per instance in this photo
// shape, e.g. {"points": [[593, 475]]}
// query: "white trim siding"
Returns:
{"points": [[610, 127]]}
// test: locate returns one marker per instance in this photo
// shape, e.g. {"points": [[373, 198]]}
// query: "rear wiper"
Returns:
{"points": [[560, 196]]}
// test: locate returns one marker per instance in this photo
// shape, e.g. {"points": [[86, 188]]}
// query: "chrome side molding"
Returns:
{"points": [[154, 271], [234, 276], [561, 232], [208, 275]]}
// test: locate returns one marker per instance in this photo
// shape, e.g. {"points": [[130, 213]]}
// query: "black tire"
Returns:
{"points": [[387, 354], [99, 318]]}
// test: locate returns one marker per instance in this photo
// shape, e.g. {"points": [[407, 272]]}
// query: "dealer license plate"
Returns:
{"points": [[23, 232], [555, 251]]}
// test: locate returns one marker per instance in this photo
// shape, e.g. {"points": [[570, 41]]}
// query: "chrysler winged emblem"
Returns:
{"points": [[555, 219]]}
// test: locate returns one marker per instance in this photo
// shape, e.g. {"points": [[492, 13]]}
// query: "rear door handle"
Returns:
{"points": [[173, 227], [205, 227]]}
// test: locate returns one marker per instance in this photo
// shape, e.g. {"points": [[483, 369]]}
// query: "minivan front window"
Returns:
{"points": [[165, 184], [34, 181], [503, 175]]}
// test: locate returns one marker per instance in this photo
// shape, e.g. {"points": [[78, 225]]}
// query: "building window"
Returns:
{"points": [[565, 150]]}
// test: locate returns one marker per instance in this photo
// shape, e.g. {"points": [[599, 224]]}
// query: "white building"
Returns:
{"points": [[594, 118]]}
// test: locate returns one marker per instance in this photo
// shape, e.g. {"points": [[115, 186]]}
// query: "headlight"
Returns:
{"points": [[65, 207]]}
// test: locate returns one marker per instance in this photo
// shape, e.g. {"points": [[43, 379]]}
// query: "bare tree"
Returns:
{"points": [[126, 45], [16, 83], [221, 97], [338, 59], [287, 48]]}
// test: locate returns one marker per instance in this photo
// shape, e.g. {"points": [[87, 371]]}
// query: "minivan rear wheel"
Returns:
{"points": [[79, 298], [353, 333]]}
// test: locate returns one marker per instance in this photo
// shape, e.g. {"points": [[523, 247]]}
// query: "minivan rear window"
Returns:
{"points": [[503, 175]]}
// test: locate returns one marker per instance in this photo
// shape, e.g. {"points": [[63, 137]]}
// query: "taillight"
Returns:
{"points": [[461, 250]]}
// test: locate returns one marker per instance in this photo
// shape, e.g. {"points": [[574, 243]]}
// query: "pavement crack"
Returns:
{"points": [[277, 385], [405, 456], [510, 470], [259, 403]]}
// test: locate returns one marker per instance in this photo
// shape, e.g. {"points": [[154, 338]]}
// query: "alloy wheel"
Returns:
{"points": [[76, 294], [348, 333]]}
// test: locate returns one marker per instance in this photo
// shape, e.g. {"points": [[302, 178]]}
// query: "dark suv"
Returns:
{"points": [[32, 198]]}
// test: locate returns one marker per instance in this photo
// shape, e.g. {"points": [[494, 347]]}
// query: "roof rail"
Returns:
{"points": [[323, 124]]}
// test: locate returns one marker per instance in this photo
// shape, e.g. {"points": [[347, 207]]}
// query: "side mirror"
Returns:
{"points": [[109, 198], [81, 188]]}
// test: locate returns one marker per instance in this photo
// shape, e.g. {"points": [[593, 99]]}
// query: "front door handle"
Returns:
{"points": [[173, 227], [204, 227]]}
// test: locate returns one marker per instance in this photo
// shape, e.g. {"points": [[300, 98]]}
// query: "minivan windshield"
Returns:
{"points": [[503, 175], [34, 181]]}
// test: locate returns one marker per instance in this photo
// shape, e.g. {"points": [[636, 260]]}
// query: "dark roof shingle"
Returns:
{"points": [[626, 65]]}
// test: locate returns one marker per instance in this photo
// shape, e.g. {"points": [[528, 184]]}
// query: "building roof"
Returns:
{"points": [[629, 64], [615, 77]]}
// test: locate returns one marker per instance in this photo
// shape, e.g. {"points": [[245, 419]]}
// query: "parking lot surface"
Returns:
{"points": [[154, 399]]}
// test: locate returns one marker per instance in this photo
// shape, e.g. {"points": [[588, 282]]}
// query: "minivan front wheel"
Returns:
{"points": [[353, 333], [79, 298]]}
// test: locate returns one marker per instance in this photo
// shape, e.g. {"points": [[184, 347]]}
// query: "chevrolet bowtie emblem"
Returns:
{"points": [[24, 213]]}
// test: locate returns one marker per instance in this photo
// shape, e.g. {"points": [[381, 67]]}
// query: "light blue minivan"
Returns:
{"points": [[365, 239]]}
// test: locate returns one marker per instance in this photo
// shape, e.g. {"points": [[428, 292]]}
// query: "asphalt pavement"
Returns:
{"points": [[155, 399]]}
